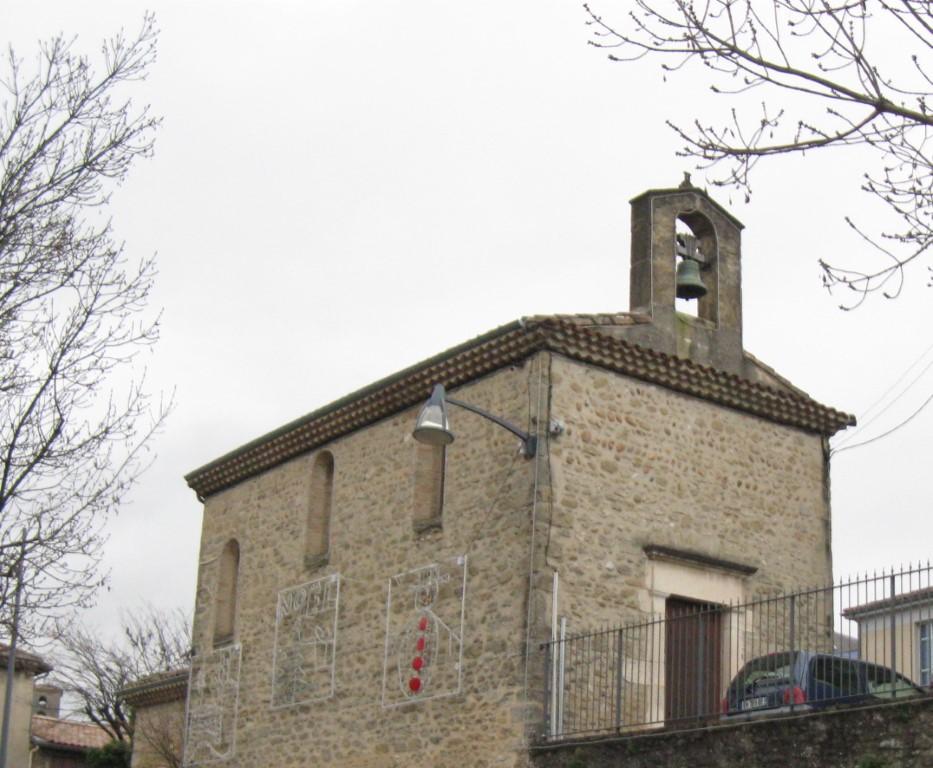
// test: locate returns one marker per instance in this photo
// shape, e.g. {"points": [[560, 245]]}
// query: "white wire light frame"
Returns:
{"points": [[325, 582], [461, 562], [188, 761]]}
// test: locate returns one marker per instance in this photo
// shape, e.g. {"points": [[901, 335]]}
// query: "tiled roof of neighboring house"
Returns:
{"points": [[158, 688], [24, 660], [904, 600], [586, 338], [67, 734]]}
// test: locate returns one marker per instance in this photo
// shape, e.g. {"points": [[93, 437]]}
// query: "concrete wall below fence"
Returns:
{"points": [[890, 736]]}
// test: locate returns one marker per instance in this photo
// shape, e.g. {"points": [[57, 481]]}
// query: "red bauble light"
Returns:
{"points": [[414, 684], [423, 624], [417, 664], [420, 644]]}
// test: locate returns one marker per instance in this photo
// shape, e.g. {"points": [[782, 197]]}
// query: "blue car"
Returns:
{"points": [[802, 680]]}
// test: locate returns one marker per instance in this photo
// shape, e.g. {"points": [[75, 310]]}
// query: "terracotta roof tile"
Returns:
{"points": [[24, 660], [600, 319], [157, 688], [68, 734], [694, 379], [576, 336], [919, 597]]}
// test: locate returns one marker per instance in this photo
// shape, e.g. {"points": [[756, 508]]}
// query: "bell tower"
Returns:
{"points": [[685, 245]]}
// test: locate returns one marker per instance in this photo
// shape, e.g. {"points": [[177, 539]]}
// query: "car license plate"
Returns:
{"points": [[755, 703]]}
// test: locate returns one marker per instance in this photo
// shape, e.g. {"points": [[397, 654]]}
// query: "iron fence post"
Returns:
{"points": [[701, 629], [893, 638], [792, 643], [619, 679], [665, 675], [561, 655], [548, 688]]}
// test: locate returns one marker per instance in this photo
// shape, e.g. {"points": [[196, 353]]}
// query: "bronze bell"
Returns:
{"points": [[689, 283]]}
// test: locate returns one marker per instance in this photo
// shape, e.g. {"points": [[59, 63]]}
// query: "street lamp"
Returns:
{"points": [[432, 427]]}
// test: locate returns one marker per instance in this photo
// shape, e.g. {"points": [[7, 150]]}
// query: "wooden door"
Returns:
{"points": [[693, 648]]}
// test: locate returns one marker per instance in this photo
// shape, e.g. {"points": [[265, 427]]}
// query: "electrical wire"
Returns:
{"points": [[884, 434], [862, 426], [909, 368]]}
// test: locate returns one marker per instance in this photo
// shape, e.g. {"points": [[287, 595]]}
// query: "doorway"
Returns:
{"points": [[693, 659]]}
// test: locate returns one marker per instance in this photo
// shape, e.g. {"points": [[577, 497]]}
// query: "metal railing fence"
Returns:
{"points": [[866, 640]]}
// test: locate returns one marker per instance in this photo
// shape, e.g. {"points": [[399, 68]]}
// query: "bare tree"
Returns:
{"points": [[862, 70], [75, 416], [97, 670], [161, 735]]}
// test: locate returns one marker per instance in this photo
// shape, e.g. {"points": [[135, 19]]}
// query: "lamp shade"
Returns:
{"points": [[431, 427]]}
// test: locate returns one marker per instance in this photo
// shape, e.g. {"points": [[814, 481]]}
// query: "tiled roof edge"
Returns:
{"points": [[76, 736], [768, 370], [156, 689], [59, 746], [797, 410], [501, 347], [920, 597], [25, 660], [465, 362]]}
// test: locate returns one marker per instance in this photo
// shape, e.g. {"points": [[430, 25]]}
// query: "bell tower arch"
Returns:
{"points": [[705, 250]]}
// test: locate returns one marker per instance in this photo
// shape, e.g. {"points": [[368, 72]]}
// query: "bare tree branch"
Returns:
{"points": [[75, 422], [162, 736], [867, 63], [97, 670]]}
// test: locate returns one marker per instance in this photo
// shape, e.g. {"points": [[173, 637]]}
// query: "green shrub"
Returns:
{"points": [[116, 754]]}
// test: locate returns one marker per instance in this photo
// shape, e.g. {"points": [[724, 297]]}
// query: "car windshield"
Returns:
{"points": [[776, 667], [881, 684]]}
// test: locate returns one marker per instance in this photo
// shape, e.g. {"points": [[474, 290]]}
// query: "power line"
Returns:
{"points": [[863, 426], [899, 379], [884, 410], [885, 434]]}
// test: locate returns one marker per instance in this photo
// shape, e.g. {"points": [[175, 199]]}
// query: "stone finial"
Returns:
{"points": [[686, 183]]}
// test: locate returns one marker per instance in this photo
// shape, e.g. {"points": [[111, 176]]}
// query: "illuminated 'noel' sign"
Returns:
{"points": [[305, 642]]}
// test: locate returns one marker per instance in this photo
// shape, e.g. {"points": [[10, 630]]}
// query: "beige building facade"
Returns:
{"points": [[366, 601], [897, 633], [38, 737], [26, 667], [158, 703]]}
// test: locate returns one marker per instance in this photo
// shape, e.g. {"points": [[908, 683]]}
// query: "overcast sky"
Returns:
{"points": [[342, 188]]}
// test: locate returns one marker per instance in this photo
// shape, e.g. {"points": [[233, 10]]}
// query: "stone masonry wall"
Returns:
{"points": [[893, 736], [639, 464], [486, 516], [158, 733], [636, 465]]}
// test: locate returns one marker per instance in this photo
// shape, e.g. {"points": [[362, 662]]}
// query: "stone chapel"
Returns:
{"points": [[368, 600]]}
